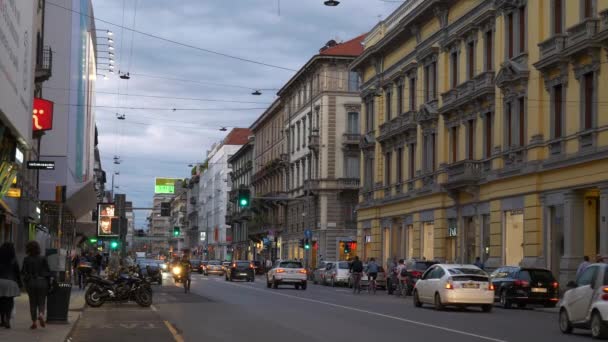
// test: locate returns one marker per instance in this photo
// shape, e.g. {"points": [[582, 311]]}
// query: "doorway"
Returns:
{"points": [[514, 237], [470, 239], [428, 236], [556, 238], [409, 242]]}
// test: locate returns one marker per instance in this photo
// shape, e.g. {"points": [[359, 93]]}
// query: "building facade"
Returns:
{"points": [[269, 181], [178, 221], [213, 195], [237, 217], [483, 135], [192, 235], [322, 107]]}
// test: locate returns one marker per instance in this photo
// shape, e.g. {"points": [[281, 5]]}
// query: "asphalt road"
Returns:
{"points": [[217, 310]]}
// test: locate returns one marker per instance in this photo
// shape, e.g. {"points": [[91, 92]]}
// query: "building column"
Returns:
{"points": [[573, 235], [604, 220]]}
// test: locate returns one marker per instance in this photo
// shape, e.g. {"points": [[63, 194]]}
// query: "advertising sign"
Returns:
{"points": [[106, 212], [40, 165], [42, 115], [16, 63], [164, 185]]}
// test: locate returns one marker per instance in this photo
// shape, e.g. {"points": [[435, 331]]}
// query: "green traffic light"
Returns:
{"points": [[243, 202], [307, 246], [114, 244], [93, 240], [175, 233]]}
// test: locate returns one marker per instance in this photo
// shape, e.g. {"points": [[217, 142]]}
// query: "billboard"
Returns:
{"points": [[165, 185], [105, 213]]}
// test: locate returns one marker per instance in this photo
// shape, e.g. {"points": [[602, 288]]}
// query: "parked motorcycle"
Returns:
{"points": [[127, 287]]}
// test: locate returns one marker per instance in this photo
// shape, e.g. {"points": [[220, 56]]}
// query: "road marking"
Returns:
{"points": [[422, 324], [173, 331], [153, 308]]}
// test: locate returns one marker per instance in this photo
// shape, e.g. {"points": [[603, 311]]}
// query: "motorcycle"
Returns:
{"points": [[127, 287], [180, 275]]}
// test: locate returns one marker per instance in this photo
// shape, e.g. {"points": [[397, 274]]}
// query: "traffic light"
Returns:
{"points": [[113, 244], [346, 247], [244, 198], [165, 209], [176, 231], [93, 240], [306, 244]]}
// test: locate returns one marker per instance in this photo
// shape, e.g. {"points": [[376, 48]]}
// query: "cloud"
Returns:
{"points": [[162, 142]]}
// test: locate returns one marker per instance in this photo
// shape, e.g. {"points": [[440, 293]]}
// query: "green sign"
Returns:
{"points": [[164, 186]]}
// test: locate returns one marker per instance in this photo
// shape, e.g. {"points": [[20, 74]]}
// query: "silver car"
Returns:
{"points": [[318, 275]]}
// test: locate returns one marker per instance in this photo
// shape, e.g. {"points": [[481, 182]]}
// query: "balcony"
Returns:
{"points": [[311, 185], [582, 36], [401, 124], [351, 139], [314, 140], [551, 52], [44, 64], [463, 173], [481, 85]]}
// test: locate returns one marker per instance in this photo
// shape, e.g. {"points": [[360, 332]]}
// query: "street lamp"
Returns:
{"points": [[331, 3], [256, 93]]}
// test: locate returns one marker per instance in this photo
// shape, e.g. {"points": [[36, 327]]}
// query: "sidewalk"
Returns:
{"points": [[20, 325]]}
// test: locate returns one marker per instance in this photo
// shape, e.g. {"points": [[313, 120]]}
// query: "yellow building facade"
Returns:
{"points": [[486, 133]]}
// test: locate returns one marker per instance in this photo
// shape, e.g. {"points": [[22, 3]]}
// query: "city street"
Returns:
{"points": [[217, 310]]}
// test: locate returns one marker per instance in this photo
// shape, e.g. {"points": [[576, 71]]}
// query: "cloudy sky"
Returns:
{"points": [[207, 90]]}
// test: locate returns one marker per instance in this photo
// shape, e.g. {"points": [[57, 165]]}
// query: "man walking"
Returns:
{"points": [[356, 268], [583, 266]]}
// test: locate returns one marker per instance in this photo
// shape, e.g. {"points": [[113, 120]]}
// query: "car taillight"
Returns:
{"points": [[491, 287], [555, 285], [449, 285], [416, 274], [251, 266], [280, 270], [302, 271], [605, 289], [521, 283]]}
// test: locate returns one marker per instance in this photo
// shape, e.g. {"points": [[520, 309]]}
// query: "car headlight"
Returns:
{"points": [[177, 270], [163, 266]]}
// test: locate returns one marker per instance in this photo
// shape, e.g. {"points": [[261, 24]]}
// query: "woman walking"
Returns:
{"points": [[36, 274], [10, 282]]}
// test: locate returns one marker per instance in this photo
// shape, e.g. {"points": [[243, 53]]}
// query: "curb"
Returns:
{"points": [[68, 337]]}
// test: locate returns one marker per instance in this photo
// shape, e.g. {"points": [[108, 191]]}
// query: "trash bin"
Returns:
{"points": [[58, 303]]}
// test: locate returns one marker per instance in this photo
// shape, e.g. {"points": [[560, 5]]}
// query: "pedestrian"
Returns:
{"points": [[583, 266], [356, 268], [75, 263], [402, 277], [478, 263], [98, 262], [36, 274], [10, 282]]}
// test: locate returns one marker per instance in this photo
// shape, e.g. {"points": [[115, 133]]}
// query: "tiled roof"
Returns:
{"points": [[238, 136], [352, 47]]}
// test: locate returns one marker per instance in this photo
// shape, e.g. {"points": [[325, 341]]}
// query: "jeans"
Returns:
{"points": [[356, 282], [37, 290]]}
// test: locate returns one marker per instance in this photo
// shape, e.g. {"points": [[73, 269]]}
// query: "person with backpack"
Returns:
{"points": [[402, 275]]}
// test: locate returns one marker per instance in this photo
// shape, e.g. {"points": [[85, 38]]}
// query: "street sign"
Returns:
{"points": [[40, 165], [308, 233]]}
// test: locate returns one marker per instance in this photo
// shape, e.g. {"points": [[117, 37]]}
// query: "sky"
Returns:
{"points": [[207, 90]]}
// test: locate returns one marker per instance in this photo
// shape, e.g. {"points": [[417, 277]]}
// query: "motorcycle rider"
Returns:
{"points": [[186, 268]]}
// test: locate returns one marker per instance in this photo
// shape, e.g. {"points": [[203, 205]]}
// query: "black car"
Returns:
{"points": [[196, 266], [240, 269], [151, 268], [523, 286]]}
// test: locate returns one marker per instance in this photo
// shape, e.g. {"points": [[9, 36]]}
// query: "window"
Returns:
{"points": [[304, 132], [369, 107], [557, 17], [387, 169], [352, 167], [434, 80], [430, 84], [353, 81], [510, 34], [413, 94], [489, 51], [353, 123], [369, 173], [509, 124], [293, 139], [488, 135], [454, 68], [471, 140], [471, 60], [400, 165], [298, 134], [399, 99], [429, 152], [433, 156], [588, 8], [587, 277], [388, 105], [454, 143], [522, 121], [412, 160], [588, 95], [557, 111], [522, 29]]}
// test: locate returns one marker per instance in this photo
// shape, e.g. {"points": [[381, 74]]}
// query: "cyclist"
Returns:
{"points": [[372, 275], [186, 267], [402, 276], [356, 268]]}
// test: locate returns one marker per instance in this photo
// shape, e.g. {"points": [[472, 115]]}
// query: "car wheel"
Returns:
{"points": [[438, 305], [564, 322], [304, 286], [297, 286], [275, 284], [504, 301], [487, 308], [417, 302], [598, 328]]}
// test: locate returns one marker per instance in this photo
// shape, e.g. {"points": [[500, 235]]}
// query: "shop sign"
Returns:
{"points": [[40, 165], [452, 228], [106, 212], [14, 193], [42, 115]]}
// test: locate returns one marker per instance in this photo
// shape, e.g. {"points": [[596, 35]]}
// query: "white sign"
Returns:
{"points": [[17, 64], [18, 155]]}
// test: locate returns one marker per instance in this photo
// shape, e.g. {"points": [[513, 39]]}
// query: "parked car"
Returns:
{"points": [[380, 280], [318, 275], [585, 304], [214, 267], [523, 286], [151, 268], [454, 285], [338, 273], [415, 269], [240, 269], [289, 272]]}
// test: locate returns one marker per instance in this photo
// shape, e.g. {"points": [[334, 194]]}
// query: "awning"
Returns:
{"points": [[83, 201]]}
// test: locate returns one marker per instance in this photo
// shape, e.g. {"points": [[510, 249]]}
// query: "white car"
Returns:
{"points": [[287, 272], [454, 285], [585, 305], [338, 273]]}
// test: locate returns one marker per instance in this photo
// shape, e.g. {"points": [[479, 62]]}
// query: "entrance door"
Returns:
{"points": [[556, 239], [428, 245], [514, 239], [470, 247]]}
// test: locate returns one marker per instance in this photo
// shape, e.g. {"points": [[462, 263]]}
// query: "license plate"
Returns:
{"points": [[539, 290], [470, 286], [243, 274]]}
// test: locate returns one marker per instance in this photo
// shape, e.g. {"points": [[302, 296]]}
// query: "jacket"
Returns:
{"points": [[356, 266], [10, 271]]}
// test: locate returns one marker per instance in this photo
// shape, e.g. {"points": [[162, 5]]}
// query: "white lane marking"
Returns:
{"points": [[153, 308], [422, 324]]}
